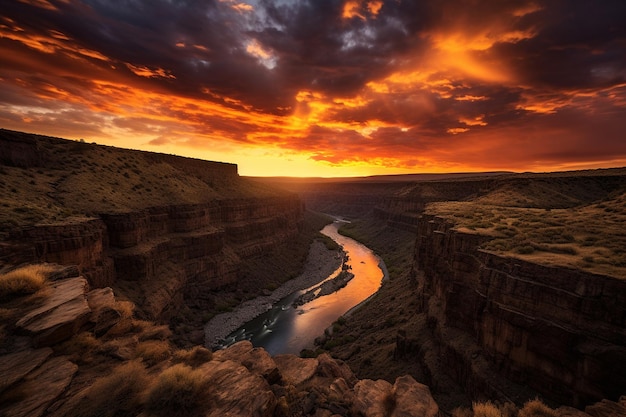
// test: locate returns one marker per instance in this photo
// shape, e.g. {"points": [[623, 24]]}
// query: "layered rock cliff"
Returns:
{"points": [[559, 331], [160, 228], [516, 289]]}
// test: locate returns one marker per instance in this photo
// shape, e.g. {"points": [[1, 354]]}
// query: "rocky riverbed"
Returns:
{"points": [[320, 263], [325, 288]]}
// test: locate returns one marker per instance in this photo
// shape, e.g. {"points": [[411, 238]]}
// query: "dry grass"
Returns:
{"points": [[462, 412], [153, 352], [126, 323], [116, 395], [193, 357], [79, 180], [487, 409], [24, 280], [80, 348], [153, 332], [586, 237], [536, 408], [178, 391]]}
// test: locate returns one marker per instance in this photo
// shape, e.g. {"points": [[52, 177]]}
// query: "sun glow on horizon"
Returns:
{"points": [[356, 88]]}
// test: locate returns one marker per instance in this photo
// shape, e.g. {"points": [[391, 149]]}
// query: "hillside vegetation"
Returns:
{"points": [[579, 227], [66, 180]]}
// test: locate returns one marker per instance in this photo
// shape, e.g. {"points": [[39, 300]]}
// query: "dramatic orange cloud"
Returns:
{"points": [[352, 87]]}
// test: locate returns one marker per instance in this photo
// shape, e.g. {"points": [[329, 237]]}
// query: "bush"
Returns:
{"points": [[328, 242], [80, 347], [22, 281], [536, 408], [116, 395], [462, 412], [193, 357], [153, 351], [162, 332], [487, 409], [525, 250], [179, 391]]}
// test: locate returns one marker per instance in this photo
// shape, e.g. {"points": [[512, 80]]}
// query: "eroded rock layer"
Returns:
{"points": [[558, 330], [167, 226]]}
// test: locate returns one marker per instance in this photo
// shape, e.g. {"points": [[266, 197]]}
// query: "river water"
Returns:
{"points": [[285, 329]]}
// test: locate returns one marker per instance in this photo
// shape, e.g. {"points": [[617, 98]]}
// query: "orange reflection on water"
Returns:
{"points": [[322, 312]]}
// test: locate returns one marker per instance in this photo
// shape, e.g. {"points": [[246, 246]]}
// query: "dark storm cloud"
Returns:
{"points": [[449, 75], [579, 44]]}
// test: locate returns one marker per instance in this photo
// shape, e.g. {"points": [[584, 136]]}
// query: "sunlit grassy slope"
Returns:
{"points": [[77, 179], [574, 227]]}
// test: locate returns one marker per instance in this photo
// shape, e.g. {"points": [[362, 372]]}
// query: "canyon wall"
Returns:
{"points": [[166, 250], [560, 331], [186, 234]]}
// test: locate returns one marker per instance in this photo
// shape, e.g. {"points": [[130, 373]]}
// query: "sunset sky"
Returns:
{"points": [[325, 88]]}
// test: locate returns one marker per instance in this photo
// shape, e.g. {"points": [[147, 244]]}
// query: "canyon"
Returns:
{"points": [[492, 321], [164, 245], [502, 287]]}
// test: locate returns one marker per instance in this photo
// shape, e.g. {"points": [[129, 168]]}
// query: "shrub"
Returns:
{"points": [[328, 242], [80, 347], [567, 250], [508, 409], [153, 351], [462, 412], [156, 333], [126, 323], [487, 409], [178, 391], [118, 394], [22, 281], [193, 357], [536, 408], [525, 250]]}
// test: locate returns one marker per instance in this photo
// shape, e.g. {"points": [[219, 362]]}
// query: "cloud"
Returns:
{"points": [[392, 83]]}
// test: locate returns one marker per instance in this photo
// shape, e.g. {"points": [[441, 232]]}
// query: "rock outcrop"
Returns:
{"points": [[238, 381], [559, 331]]}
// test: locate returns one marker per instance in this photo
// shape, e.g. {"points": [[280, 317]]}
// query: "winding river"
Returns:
{"points": [[285, 329]]}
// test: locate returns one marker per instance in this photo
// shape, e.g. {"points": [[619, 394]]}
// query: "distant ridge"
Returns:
{"points": [[384, 178], [453, 176]]}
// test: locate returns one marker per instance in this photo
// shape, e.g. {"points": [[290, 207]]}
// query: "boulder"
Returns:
{"points": [[334, 368], [607, 408], [15, 366], [40, 389], [101, 301], [339, 392], [294, 370], [61, 316], [257, 360], [570, 412], [373, 398], [413, 399], [235, 391]]}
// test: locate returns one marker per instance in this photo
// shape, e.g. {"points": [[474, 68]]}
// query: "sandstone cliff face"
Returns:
{"points": [[561, 332], [164, 227], [163, 249]]}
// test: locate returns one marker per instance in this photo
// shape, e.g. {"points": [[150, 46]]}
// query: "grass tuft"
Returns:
{"points": [[153, 351], [23, 281], [178, 391], [486, 409], [116, 395], [193, 357], [536, 408]]}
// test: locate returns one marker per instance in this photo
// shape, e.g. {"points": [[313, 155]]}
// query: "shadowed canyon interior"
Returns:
{"points": [[148, 247]]}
